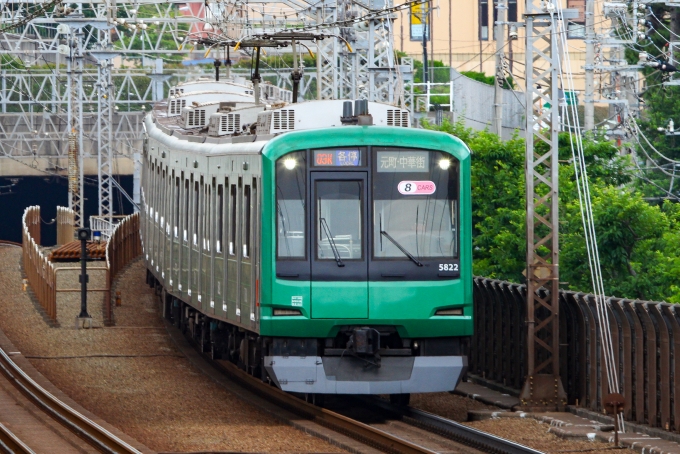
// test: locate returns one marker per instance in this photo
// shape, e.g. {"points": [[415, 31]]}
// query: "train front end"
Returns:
{"points": [[367, 273]]}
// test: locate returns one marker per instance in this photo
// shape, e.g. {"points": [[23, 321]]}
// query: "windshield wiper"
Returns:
{"points": [[327, 230], [401, 248]]}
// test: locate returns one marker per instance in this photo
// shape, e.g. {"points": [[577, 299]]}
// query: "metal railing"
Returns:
{"points": [[645, 335], [38, 269], [124, 245], [105, 224]]}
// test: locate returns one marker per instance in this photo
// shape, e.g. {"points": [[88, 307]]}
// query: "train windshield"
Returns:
{"points": [[291, 182], [415, 204]]}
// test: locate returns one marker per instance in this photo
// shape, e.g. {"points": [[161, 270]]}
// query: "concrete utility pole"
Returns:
{"points": [[543, 387], [502, 8], [589, 106]]}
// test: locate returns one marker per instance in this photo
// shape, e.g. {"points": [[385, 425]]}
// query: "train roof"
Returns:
{"points": [[205, 121]]}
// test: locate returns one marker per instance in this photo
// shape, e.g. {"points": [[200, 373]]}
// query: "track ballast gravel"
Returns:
{"points": [[132, 376]]}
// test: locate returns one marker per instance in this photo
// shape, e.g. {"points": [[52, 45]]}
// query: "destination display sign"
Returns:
{"points": [[337, 158], [403, 161]]}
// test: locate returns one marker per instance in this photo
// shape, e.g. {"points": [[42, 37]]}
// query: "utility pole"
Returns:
{"points": [[543, 386], [589, 106], [502, 8], [426, 24]]}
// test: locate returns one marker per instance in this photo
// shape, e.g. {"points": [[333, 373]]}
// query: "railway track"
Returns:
{"points": [[453, 430], [88, 430], [373, 436], [11, 443]]}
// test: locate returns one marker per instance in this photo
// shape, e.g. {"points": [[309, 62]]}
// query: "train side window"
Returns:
{"points": [[247, 223], [220, 218], [162, 198], [195, 224], [232, 223], [176, 213], [185, 224], [207, 217]]}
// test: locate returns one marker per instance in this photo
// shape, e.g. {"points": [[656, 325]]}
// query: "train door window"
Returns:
{"points": [[339, 220], [149, 200], [220, 219], [195, 223], [175, 222], [247, 223], [291, 187], [185, 224], [207, 217], [156, 202], [232, 223], [162, 195]]}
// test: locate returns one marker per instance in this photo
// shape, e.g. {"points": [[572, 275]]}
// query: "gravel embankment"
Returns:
{"points": [[526, 431], [132, 376], [533, 433]]}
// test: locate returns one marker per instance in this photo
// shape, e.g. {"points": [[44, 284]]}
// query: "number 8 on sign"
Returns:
{"points": [[416, 187]]}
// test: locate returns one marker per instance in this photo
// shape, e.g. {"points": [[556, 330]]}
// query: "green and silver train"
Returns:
{"points": [[319, 246]]}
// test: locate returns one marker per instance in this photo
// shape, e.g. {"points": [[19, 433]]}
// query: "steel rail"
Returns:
{"points": [[85, 428], [454, 430], [11, 443], [354, 429]]}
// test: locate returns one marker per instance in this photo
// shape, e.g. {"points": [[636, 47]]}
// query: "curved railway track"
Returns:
{"points": [[11, 443], [373, 436], [88, 430]]}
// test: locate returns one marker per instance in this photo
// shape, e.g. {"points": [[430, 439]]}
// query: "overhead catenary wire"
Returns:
{"points": [[587, 217]]}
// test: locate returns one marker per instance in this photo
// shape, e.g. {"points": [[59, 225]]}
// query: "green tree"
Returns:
{"points": [[638, 242]]}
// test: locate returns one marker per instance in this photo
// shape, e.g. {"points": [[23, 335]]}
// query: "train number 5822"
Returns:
{"points": [[448, 267]]}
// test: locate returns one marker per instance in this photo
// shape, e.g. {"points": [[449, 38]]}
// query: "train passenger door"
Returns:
{"points": [[339, 245]]}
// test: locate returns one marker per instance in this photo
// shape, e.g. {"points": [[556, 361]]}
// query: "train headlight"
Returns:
{"points": [[444, 164], [289, 163]]}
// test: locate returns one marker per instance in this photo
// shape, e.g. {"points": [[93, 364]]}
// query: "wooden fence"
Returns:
{"points": [[39, 271], [65, 225], [125, 245], [645, 336]]}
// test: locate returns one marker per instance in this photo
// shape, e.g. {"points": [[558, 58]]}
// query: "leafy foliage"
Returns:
{"points": [[639, 243]]}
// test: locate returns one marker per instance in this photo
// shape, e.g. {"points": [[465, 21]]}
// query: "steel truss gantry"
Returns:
{"points": [[543, 387]]}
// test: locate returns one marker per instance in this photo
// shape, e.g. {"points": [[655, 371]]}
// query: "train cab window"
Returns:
{"points": [[232, 223], [220, 219], [291, 183], [415, 206], [247, 223], [338, 220]]}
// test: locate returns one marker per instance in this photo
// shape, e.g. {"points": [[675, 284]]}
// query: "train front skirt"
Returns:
{"points": [[352, 375]]}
